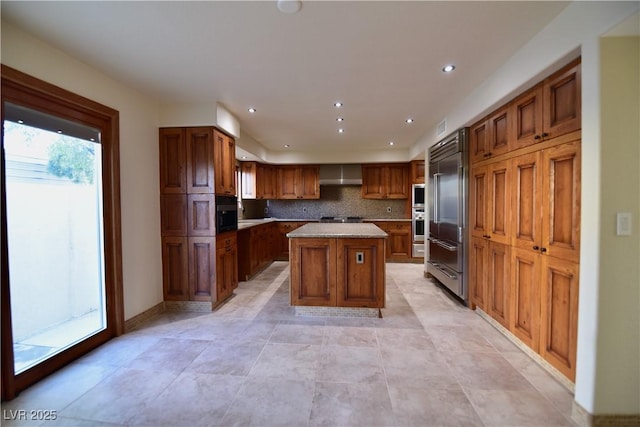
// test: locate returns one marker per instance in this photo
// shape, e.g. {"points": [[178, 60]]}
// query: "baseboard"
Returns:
{"points": [[143, 317], [582, 417]]}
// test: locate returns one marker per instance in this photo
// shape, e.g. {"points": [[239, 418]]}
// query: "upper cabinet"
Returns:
{"points": [[173, 161], [546, 111], [417, 172], [224, 163], [298, 182], [385, 181]]}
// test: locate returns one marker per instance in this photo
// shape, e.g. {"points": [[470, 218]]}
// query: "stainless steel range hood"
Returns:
{"points": [[349, 174]]}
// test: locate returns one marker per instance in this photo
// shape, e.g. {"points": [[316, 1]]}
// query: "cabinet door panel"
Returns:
{"points": [[563, 102], [499, 202], [499, 282], [559, 314], [525, 296], [561, 196], [201, 215], [173, 214], [225, 164], [200, 160], [316, 283], [175, 268], [372, 182], [478, 259], [287, 182], [526, 119], [249, 180], [527, 201], [417, 172], [309, 185], [499, 132], [360, 271], [173, 161], [398, 181], [478, 141], [202, 268], [478, 201]]}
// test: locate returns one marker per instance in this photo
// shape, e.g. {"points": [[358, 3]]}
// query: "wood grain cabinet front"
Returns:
{"points": [[385, 181], [298, 182], [227, 266]]}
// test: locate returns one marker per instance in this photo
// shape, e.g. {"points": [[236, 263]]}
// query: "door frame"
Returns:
{"points": [[22, 89]]}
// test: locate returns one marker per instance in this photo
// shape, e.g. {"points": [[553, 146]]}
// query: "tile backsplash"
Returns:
{"points": [[335, 200]]}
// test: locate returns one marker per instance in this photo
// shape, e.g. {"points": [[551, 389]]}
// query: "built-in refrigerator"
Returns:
{"points": [[447, 198]]}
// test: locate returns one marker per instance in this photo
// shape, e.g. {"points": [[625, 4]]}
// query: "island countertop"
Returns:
{"points": [[338, 230]]}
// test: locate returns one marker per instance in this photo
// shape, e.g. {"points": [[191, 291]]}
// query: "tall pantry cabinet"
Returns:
{"points": [[524, 216], [196, 163]]}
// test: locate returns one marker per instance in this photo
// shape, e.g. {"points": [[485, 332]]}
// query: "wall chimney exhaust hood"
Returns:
{"points": [[350, 174]]}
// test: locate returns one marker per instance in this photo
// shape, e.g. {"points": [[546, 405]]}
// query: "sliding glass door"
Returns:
{"points": [[61, 290]]}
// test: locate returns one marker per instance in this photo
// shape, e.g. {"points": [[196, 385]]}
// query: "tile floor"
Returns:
{"points": [[428, 362]]}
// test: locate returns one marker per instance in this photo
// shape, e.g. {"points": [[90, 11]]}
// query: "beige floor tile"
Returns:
{"points": [[287, 361], [339, 404], [350, 364], [227, 358], [485, 371], [297, 334], [169, 355], [350, 336]]}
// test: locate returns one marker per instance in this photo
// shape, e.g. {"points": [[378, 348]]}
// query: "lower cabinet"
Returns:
{"points": [[398, 241], [202, 268], [285, 227], [340, 272], [258, 246], [227, 266], [175, 268], [490, 278]]}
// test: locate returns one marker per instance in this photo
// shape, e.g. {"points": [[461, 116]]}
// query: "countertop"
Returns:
{"points": [[338, 230], [248, 223]]}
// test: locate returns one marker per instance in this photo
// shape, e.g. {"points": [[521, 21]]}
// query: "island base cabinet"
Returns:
{"points": [[360, 273], [313, 272], [337, 272]]}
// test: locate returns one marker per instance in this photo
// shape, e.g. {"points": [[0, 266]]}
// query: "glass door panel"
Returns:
{"points": [[54, 205]]}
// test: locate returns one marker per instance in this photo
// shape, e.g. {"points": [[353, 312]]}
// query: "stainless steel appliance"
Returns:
{"points": [[417, 195], [417, 231], [226, 213], [448, 169]]}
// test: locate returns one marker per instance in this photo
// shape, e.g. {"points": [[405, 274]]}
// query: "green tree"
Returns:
{"points": [[72, 159]]}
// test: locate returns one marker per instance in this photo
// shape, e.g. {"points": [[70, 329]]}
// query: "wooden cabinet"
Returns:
{"points": [[334, 272], [227, 266], [224, 163], [490, 137], [284, 228], [249, 180], [490, 203], [546, 111], [360, 273], [267, 181], [173, 161], [202, 268], [175, 268], [524, 217], [385, 181], [257, 248], [313, 272], [398, 239], [559, 314], [417, 172], [298, 182], [195, 162]]}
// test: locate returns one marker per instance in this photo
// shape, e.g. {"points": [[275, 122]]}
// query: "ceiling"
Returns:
{"points": [[383, 60]]}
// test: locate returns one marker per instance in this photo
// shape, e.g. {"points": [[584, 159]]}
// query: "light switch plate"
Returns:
{"points": [[623, 224]]}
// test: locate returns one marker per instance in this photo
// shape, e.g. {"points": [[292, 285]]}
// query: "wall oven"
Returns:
{"points": [[417, 224], [417, 195], [226, 213]]}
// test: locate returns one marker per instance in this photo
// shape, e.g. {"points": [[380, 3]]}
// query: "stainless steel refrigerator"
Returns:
{"points": [[447, 197]]}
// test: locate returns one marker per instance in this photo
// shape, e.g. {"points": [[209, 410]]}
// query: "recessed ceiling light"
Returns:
{"points": [[409, 120], [448, 68], [21, 121], [252, 110], [340, 119], [392, 143], [289, 6], [244, 157], [286, 145], [59, 131], [340, 130], [338, 104]]}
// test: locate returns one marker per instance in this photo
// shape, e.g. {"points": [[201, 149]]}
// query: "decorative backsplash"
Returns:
{"points": [[338, 201]]}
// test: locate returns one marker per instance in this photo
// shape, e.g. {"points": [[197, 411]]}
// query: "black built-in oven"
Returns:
{"points": [[417, 196], [226, 213]]}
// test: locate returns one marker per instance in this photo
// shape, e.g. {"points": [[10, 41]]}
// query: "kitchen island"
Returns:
{"points": [[338, 269]]}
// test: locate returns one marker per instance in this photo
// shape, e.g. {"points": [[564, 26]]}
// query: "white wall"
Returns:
{"points": [[618, 362], [139, 176], [575, 31]]}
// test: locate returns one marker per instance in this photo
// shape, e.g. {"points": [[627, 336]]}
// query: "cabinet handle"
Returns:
{"points": [[535, 248], [537, 137], [544, 134], [543, 250]]}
